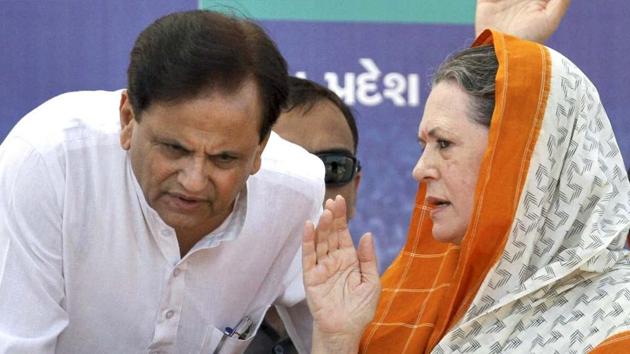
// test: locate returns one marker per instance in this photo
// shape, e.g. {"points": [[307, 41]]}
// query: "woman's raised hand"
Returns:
{"points": [[534, 20], [342, 284]]}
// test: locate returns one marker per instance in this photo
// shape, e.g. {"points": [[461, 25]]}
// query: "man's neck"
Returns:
{"points": [[187, 238]]}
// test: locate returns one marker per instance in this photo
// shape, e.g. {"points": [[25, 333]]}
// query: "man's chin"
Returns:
{"points": [[178, 220]]}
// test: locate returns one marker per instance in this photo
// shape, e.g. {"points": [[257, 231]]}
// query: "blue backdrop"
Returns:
{"points": [[381, 69]]}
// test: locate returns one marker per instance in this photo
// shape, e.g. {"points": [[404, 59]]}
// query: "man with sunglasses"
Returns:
{"points": [[318, 120]]}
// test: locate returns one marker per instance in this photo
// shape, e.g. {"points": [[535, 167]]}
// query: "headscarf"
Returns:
{"points": [[542, 266]]}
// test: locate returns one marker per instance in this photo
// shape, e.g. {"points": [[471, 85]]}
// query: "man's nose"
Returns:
{"points": [[194, 175]]}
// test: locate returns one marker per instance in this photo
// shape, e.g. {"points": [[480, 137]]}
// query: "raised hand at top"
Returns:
{"points": [[535, 20]]}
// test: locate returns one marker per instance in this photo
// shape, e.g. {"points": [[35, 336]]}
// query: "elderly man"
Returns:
{"points": [[162, 218]]}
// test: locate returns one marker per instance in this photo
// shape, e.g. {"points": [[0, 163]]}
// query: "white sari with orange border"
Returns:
{"points": [[542, 267]]}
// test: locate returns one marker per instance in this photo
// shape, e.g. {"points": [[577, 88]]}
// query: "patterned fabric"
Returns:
{"points": [[555, 278]]}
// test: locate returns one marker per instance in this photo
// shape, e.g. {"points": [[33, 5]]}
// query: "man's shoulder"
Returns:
{"points": [[290, 165], [291, 160], [70, 116]]}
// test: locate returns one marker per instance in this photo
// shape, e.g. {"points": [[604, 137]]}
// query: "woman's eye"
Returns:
{"points": [[443, 144]]}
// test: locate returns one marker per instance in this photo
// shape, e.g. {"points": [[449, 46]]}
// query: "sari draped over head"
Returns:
{"points": [[542, 266]]}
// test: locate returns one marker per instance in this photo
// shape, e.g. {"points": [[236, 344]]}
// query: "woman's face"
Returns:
{"points": [[449, 165]]}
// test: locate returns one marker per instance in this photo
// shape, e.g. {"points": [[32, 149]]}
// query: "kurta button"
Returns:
{"points": [[169, 314], [165, 233], [176, 272]]}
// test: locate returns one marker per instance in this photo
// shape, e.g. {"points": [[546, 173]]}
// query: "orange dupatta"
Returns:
{"points": [[430, 285]]}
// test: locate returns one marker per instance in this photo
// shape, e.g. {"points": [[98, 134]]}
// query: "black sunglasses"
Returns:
{"points": [[341, 166]]}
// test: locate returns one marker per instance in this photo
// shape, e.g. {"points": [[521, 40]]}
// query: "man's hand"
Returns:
{"points": [[534, 20], [342, 284]]}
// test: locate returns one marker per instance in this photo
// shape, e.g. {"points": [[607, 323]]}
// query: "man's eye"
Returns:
{"points": [[174, 148], [224, 160], [225, 157], [443, 144]]}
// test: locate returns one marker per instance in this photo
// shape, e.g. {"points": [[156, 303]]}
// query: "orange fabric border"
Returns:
{"points": [[619, 343], [523, 81], [430, 285]]}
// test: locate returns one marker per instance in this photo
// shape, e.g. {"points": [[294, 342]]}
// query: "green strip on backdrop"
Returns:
{"points": [[400, 11]]}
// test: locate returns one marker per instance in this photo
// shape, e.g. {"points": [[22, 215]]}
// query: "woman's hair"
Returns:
{"points": [[474, 70]]}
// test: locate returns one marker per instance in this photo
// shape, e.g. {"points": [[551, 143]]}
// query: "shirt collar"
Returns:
{"points": [[231, 227]]}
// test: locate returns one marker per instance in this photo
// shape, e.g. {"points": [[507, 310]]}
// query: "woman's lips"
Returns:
{"points": [[437, 205]]}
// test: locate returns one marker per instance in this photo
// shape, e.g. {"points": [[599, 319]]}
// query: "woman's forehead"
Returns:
{"points": [[447, 110]]}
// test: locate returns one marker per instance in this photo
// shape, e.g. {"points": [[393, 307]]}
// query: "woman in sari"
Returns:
{"points": [[516, 242]]}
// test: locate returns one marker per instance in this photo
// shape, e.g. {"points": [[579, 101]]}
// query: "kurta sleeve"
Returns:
{"points": [[294, 311], [31, 276], [292, 306]]}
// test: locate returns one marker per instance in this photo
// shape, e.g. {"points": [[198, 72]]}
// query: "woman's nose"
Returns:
{"points": [[425, 168]]}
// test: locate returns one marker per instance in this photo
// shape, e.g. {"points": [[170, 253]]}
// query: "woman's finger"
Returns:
{"points": [[322, 233], [309, 257], [338, 221], [367, 259], [340, 224]]}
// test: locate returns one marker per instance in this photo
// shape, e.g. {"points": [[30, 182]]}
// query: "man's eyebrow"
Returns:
{"points": [[175, 142], [168, 140], [224, 153]]}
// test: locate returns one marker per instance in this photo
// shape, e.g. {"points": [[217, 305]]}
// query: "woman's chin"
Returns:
{"points": [[445, 236]]}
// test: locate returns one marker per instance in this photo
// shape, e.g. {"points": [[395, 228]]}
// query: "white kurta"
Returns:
{"points": [[87, 266]]}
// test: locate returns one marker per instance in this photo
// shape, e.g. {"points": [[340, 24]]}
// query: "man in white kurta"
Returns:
{"points": [[87, 266], [155, 219]]}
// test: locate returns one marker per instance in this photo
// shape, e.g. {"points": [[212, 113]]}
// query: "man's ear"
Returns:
{"points": [[259, 150], [127, 120], [357, 181]]}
